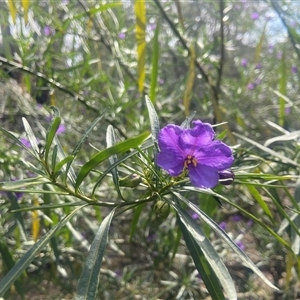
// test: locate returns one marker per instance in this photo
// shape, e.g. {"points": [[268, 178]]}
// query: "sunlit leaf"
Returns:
{"points": [[30, 255], [35, 220], [155, 61], [12, 10], [140, 15], [121, 147], [89, 279], [25, 4]]}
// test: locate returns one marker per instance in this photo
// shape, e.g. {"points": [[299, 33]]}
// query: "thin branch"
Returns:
{"points": [[60, 87], [222, 50], [279, 11]]}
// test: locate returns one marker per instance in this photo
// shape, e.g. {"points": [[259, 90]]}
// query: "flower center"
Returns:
{"points": [[190, 159]]}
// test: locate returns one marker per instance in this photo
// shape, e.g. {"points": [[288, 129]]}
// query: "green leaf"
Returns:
{"points": [[121, 147], [54, 157], [50, 135], [223, 234], [146, 145], [155, 60], [186, 123], [211, 267], [62, 163], [111, 141], [282, 158], [16, 185], [154, 120], [83, 138], [30, 255], [49, 206], [254, 192], [140, 15], [89, 279], [136, 215], [31, 137]]}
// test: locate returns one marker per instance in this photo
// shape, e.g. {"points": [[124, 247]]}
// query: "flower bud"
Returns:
{"points": [[162, 209], [131, 180], [226, 177]]}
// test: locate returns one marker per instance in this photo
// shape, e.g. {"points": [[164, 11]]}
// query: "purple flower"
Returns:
{"points": [[251, 86], [25, 142], [223, 225], [61, 129], [48, 30], [258, 66], [244, 62], [279, 54], [195, 216], [193, 150], [294, 69], [255, 16], [236, 218], [287, 110], [122, 35], [240, 245], [250, 223]]}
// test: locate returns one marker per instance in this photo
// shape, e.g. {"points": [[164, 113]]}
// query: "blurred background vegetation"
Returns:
{"points": [[229, 61]]}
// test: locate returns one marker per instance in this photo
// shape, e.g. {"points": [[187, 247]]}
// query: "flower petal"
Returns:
{"points": [[171, 157], [202, 134], [216, 155], [203, 176]]}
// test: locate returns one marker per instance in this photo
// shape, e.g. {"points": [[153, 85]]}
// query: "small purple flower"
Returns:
{"points": [[236, 218], [195, 216], [287, 110], [151, 237], [122, 35], [251, 86], [279, 54], [61, 129], [240, 245], [254, 16], [223, 225], [270, 48], [250, 223], [258, 66], [194, 150], [244, 62], [25, 142], [48, 30], [294, 69]]}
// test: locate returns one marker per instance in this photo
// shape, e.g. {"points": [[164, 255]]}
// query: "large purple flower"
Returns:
{"points": [[194, 150]]}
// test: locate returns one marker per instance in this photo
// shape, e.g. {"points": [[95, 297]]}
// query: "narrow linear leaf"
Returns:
{"points": [[224, 235], [15, 185], [25, 261], [35, 221], [62, 163], [121, 147], [84, 137], [25, 4], [12, 10], [136, 215], [51, 134], [268, 150], [205, 270], [155, 61], [140, 15], [89, 279], [31, 137], [154, 120], [111, 141], [196, 238], [254, 192]]}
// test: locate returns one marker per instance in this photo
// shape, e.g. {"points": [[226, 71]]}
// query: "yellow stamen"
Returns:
{"points": [[190, 160]]}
